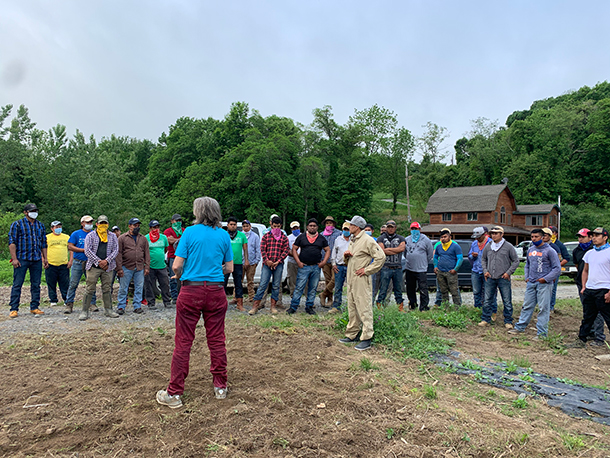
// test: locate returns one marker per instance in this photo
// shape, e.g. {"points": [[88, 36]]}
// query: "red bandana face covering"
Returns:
{"points": [[154, 235]]}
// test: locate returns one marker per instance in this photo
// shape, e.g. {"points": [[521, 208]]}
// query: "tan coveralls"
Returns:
{"points": [[359, 289]]}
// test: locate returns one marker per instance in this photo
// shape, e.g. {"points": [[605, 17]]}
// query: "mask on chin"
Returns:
{"points": [[538, 243]]}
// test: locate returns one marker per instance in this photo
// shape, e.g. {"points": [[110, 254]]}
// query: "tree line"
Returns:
{"points": [[255, 165]]}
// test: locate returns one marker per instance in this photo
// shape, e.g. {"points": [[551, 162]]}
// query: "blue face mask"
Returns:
{"points": [[346, 233], [585, 246], [538, 243], [369, 233], [415, 235], [296, 232], [57, 230]]}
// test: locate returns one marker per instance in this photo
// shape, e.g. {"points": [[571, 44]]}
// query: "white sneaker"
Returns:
{"points": [[53, 304], [220, 393], [166, 399]]}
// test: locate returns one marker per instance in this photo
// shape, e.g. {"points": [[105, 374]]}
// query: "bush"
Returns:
{"points": [[6, 220]]}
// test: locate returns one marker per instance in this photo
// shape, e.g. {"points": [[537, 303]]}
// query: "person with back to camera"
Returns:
{"points": [[203, 257]]}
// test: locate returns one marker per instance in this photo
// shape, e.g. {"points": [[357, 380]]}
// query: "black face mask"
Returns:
{"points": [[135, 230], [232, 234]]}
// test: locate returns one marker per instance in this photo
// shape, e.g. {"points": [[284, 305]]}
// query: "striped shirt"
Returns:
{"points": [[29, 238], [92, 242]]}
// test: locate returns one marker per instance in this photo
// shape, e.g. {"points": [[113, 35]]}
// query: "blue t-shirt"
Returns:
{"points": [[78, 239], [204, 250], [450, 259]]}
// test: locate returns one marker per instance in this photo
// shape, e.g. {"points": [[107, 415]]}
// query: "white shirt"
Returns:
{"points": [[291, 239], [336, 257], [599, 269]]}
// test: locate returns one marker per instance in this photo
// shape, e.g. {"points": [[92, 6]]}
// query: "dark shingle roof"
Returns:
{"points": [[465, 199], [535, 209]]}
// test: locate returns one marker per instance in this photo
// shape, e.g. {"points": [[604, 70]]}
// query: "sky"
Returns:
{"points": [[132, 68]]}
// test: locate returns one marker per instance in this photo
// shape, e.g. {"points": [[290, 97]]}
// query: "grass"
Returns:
{"points": [[451, 316], [402, 334], [367, 365]]}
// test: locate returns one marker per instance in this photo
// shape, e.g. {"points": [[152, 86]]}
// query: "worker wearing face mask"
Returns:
{"points": [[60, 261], [76, 245], [418, 254], [27, 243], [133, 262], [339, 266]]}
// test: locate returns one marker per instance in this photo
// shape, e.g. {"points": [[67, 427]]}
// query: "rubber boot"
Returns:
{"points": [[240, 304], [323, 298], [107, 297], [273, 309], [84, 315], [401, 307], [256, 305]]}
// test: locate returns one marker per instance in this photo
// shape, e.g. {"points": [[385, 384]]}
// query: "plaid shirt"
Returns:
{"points": [[29, 238], [92, 242], [274, 250]]}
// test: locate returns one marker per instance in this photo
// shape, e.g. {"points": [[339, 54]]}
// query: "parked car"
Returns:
{"points": [[464, 278], [258, 229], [570, 268], [522, 249]]}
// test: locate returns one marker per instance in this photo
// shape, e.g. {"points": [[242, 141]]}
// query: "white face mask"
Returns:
{"points": [[88, 227], [33, 215]]}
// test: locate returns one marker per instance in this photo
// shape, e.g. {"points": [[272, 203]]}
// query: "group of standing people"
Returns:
{"points": [[99, 254]]}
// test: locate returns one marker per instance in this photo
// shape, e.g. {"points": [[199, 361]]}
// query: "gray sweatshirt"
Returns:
{"points": [[542, 262], [497, 263], [418, 255]]}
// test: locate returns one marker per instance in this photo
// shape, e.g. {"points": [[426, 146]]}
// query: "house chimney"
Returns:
{"points": [[504, 180]]}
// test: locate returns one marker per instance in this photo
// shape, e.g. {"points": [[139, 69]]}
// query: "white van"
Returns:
{"points": [[258, 229]]}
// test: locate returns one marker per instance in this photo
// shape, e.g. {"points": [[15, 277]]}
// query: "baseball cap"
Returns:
{"points": [[154, 223], [497, 229], [177, 217], [599, 230], [391, 223], [477, 232], [414, 225], [115, 228], [56, 223], [547, 231], [102, 219], [584, 232], [445, 230], [246, 222], [345, 225], [30, 208], [86, 219], [134, 221], [553, 229], [358, 221], [295, 224], [273, 216]]}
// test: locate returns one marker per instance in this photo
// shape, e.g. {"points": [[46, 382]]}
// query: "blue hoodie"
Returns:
{"points": [[542, 262]]}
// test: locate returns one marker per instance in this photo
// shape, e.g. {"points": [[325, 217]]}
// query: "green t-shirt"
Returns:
{"points": [[157, 251], [237, 245]]}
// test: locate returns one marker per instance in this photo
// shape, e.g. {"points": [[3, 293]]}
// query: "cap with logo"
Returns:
{"points": [[102, 219], [477, 232], [547, 231], [273, 216], [56, 223], [86, 219], [554, 229], [584, 232], [154, 223], [414, 225], [134, 221], [295, 224], [600, 231], [358, 221], [30, 208], [497, 229], [115, 228], [246, 222]]}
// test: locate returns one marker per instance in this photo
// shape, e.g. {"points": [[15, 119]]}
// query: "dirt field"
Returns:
{"points": [[294, 392]]}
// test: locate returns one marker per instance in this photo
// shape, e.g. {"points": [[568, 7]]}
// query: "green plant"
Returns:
{"points": [[511, 367], [430, 392], [521, 361], [161, 331], [367, 365], [520, 403], [572, 442], [281, 442], [389, 433], [468, 364], [523, 438]]}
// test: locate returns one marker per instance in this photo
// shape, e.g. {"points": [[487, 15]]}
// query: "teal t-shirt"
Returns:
{"points": [[237, 244], [157, 251], [204, 250]]}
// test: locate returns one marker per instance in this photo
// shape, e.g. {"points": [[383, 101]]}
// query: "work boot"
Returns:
{"points": [[256, 305], [107, 298], [233, 301], [240, 304], [84, 315], [401, 307], [69, 308], [273, 309], [323, 298], [379, 305]]}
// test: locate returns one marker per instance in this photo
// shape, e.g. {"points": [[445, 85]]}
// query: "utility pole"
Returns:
{"points": [[408, 199]]}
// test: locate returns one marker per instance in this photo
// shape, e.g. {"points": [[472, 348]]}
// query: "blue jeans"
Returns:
{"points": [[536, 293], [138, 287], [238, 275], [310, 276], [339, 281], [554, 294], [266, 275], [35, 268], [174, 285], [76, 273], [491, 293], [479, 288], [395, 275]]}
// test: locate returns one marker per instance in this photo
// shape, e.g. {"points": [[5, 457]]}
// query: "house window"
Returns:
{"points": [[495, 217], [553, 219], [508, 219], [533, 220], [473, 216], [446, 216], [502, 215]]}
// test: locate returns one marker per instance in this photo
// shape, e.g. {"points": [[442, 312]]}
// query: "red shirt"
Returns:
{"points": [[274, 250], [171, 251]]}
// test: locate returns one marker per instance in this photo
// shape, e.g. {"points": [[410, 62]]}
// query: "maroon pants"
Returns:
{"points": [[194, 302]]}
